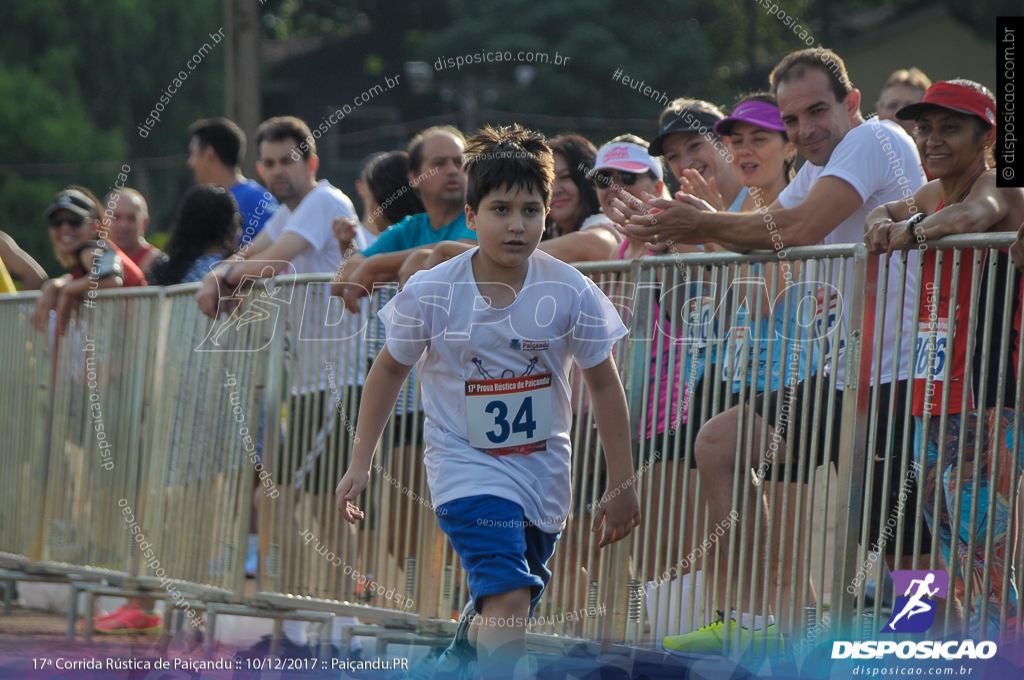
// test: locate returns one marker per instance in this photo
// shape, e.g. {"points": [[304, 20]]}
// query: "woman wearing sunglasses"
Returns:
{"points": [[623, 166], [79, 244]]}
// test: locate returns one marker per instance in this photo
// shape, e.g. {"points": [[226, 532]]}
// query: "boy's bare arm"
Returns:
{"points": [[619, 504], [383, 383]]}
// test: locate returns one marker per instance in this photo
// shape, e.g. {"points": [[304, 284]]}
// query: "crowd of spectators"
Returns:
{"points": [[862, 180]]}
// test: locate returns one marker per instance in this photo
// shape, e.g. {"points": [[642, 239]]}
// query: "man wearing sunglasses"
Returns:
{"points": [[80, 245]]}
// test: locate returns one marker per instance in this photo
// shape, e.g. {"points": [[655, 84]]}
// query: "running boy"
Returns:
{"points": [[495, 330]]}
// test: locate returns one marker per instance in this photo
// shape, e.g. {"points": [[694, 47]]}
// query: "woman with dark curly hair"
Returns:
{"points": [[573, 197], [205, 231]]}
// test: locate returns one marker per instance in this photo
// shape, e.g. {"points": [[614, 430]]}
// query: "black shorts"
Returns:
{"points": [[785, 409], [702, 403]]}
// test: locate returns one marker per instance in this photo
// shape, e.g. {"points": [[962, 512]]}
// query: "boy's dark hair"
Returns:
{"points": [[513, 157], [226, 138], [387, 178], [795, 65], [207, 217], [416, 143], [283, 128]]}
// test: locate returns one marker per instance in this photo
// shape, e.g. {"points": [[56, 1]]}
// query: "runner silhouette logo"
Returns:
{"points": [[914, 610]]}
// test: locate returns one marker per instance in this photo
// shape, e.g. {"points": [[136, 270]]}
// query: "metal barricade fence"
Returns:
{"points": [[707, 331], [951, 489], [318, 365], [97, 455], [714, 331], [204, 443], [25, 366]]}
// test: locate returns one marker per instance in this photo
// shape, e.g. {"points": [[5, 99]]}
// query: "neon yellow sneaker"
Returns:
{"points": [[709, 639]]}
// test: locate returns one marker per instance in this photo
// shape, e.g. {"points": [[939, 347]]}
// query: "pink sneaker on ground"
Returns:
{"points": [[128, 619]]}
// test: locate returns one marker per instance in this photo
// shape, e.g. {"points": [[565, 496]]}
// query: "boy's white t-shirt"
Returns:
{"points": [[880, 161], [464, 345]]}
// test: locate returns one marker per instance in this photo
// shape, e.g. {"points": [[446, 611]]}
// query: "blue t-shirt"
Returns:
{"points": [[202, 266], [783, 328], [415, 232], [256, 205]]}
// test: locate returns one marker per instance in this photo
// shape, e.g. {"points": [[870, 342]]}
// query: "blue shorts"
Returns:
{"points": [[500, 550]]}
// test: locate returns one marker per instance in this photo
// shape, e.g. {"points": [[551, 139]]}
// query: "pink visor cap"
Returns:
{"points": [[627, 157]]}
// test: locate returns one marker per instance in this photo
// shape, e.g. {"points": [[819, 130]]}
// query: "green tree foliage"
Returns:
{"points": [[981, 14], [708, 49], [78, 78]]}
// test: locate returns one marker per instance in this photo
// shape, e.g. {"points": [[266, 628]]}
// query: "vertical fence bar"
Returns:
{"points": [[850, 479]]}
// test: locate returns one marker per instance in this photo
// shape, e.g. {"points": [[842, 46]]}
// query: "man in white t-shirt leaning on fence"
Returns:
{"points": [[298, 239], [853, 166]]}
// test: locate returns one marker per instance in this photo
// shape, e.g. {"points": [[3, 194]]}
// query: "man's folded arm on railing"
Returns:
{"points": [[356, 278], [592, 245], [357, 275], [265, 259], [64, 294], [431, 256]]}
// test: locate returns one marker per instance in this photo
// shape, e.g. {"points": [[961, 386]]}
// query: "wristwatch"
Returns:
{"points": [[912, 223]]}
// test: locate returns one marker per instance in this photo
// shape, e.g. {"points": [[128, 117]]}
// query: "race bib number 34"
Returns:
{"points": [[509, 415]]}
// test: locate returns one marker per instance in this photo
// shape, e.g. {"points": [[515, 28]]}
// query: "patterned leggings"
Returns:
{"points": [[1002, 497]]}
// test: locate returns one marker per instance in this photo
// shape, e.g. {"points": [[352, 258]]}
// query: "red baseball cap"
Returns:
{"points": [[959, 98]]}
